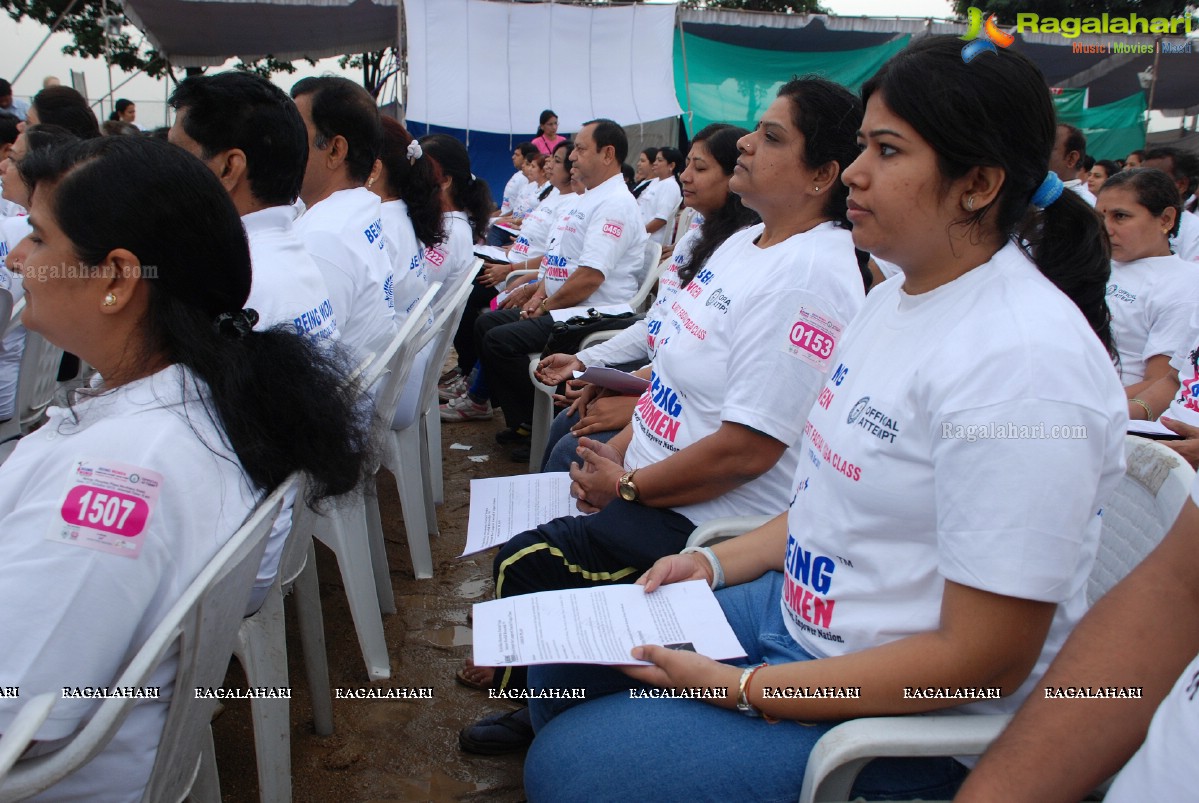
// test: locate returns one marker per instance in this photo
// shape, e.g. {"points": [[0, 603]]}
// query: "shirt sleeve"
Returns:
{"points": [[666, 201], [1170, 328], [608, 236], [627, 346]]}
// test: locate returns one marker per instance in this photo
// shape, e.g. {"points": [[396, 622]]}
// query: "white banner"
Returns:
{"points": [[487, 66]]}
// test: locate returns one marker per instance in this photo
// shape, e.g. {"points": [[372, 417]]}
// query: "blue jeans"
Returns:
{"points": [[613, 747], [561, 446]]}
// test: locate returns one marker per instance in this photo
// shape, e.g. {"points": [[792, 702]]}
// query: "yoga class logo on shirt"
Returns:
{"points": [[873, 420], [719, 300], [857, 409], [820, 451], [983, 36]]}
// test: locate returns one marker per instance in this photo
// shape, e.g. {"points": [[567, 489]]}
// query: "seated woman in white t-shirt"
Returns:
{"points": [[1152, 294], [660, 210], [714, 433], [598, 414], [465, 203], [930, 557], [411, 212], [643, 172], [12, 230], [196, 419]]}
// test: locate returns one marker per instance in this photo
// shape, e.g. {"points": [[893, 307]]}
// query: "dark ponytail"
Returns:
{"points": [[996, 111], [284, 403], [470, 193], [414, 182], [721, 142]]}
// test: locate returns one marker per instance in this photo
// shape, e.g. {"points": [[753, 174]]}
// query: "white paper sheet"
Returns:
{"points": [[566, 313], [501, 507], [601, 625], [1151, 429], [510, 229], [611, 378]]}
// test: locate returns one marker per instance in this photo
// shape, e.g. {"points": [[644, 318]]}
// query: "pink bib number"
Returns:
{"points": [[107, 507]]}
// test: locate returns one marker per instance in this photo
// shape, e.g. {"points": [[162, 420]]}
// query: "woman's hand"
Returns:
{"points": [[604, 414], [557, 368], [517, 298], [532, 308], [594, 483], [493, 273], [683, 669], [676, 569], [1188, 448]]}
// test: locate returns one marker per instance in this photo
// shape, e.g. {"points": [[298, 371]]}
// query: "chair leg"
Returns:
{"points": [[543, 415], [427, 451], [307, 596], [354, 561], [207, 786], [436, 467], [412, 500], [262, 651], [374, 529]]}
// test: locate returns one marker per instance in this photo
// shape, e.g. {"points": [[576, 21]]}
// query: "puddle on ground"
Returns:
{"points": [[456, 636], [471, 589]]}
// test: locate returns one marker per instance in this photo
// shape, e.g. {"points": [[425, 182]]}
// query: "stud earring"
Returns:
{"points": [[970, 204], [110, 299], [817, 189]]}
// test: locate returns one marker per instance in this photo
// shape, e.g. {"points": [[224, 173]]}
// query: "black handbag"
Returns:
{"points": [[566, 336]]}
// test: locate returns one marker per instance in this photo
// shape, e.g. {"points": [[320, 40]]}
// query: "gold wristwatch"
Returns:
{"points": [[625, 487]]}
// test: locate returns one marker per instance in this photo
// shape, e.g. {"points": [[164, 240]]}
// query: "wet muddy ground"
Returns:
{"points": [[393, 750]]}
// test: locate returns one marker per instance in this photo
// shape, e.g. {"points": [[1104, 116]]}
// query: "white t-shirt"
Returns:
{"points": [[344, 235], [1151, 302], [528, 200], [288, 287], [447, 261], [1186, 242], [535, 229], [636, 343], [663, 205], [727, 350], [1080, 188], [1164, 767], [924, 460], [83, 612], [601, 230], [645, 201], [12, 231], [407, 263], [512, 191]]}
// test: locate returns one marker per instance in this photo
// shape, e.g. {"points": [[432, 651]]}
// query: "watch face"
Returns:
{"points": [[627, 492]]}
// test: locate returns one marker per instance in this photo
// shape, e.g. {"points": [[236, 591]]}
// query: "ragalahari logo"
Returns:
{"points": [[983, 36]]}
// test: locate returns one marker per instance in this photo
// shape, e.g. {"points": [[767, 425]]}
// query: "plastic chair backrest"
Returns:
{"points": [[36, 385], [6, 308], [204, 622], [653, 271], [1156, 483], [445, 324], [395, 361]]}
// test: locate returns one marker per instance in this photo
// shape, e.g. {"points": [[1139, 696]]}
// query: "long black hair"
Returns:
{"points": [[470, 193], [996, 111], [284, 403], [721, 142], [64, 106], [413, 181]]}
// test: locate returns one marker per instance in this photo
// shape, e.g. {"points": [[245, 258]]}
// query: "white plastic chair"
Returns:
{"points": [[36, 384], [413, 454], [1141, 511], [20, 732], [361, 553], [261, 649], [14, 316], [204, 624]]}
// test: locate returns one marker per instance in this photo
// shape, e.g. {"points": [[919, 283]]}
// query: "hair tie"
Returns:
{"points": [[1049, 191], [235, 324], [414, 152]]}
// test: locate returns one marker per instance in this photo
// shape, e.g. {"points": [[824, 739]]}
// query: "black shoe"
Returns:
{"points": [[520, 434], [495, 735], [520, 454]]}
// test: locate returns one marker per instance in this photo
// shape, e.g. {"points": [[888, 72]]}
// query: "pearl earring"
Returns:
{"points": [[110, 299], [970, 204]]}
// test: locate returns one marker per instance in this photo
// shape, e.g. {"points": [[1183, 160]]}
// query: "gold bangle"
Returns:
{"points": [[1148, 412], [544, 308]]}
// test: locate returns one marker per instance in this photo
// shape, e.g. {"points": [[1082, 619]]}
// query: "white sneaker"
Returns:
{"points": [[464, 409], [452, 388]]}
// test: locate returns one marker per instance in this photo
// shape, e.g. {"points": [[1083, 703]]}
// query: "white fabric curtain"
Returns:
{"points": [[487, 66]]}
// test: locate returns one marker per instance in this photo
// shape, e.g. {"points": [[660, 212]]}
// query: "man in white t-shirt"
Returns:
{"points": [[519, 181], [342, 228], [250, 134], [1069, 148], [1142, 637], [1183, 167], [593, 258]]}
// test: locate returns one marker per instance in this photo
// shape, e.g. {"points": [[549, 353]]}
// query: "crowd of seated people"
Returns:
{"points": [[860, 278]]}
